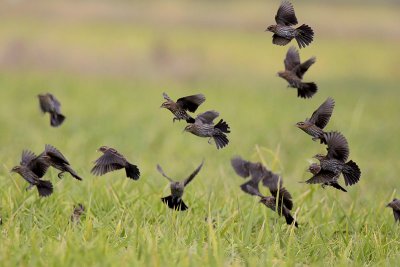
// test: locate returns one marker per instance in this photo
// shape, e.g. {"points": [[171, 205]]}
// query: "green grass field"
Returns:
{"points": [[109, 63]]}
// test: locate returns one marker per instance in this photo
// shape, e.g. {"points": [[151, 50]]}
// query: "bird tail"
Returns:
{"points": [[289, 219], [223, 126], [338, 186], [307, 90], [221, 140], [132, 171], [174, 203], [190, 120], [45, 188], [304, 35], [351, 173], [56, 119], [73, 173]]}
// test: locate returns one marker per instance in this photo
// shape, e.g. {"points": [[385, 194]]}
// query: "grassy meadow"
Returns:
{"points": [[108, 63]]}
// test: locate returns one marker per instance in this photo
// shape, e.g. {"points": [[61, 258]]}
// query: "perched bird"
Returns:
{"points": [[334, 163], [204, 127], [32, 168], [174, 201], [294, 72], [257, 172], [77, 213], [59, 162], [319, 119], [48, 103], [314, 168], [395, 205], [284, 33], [270, 202], [112, 160], [183, 104]]}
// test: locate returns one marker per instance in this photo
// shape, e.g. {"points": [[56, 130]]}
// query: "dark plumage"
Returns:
{"points": [[284, 33], [204, 127], [314, 168], [57, 160], [294, 72], [112, 160], [32, 168], [174, 201], [77, 213], [319, 119], [395, 205], [334, 163], [182, 105], [270, 202], [48, 103]]}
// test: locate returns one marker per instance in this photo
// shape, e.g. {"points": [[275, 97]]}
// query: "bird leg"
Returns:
{"points": [[60, 175], [29, 187], [315, 139], [209, 140], [323, 186]]}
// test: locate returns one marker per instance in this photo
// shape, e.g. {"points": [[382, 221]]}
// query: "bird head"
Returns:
{"points": [[166, 104], [300, 125], [391, 204], [271, 28], [16, 169], [103, 149], [189, 128]]}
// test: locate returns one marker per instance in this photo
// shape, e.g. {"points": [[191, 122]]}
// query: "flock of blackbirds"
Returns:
{"points": [[327, 172]]}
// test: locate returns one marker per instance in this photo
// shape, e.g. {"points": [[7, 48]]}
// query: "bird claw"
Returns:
{"points": [[173, 120], [60, 175], [209, 140]]}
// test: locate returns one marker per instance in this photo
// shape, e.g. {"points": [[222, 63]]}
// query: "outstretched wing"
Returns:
{"points": [[338, 148], [321, 177], [192, 102], [55, 154], [253, 191], [322, 115], [166, 97], [278, 40], [37, 164], [56, 103], [285, 15], [303, 67], [207, 117], [272, 181], [292, 59], [241, 166], [190, 178], [108, 162], [160, 170], [284, 196]]}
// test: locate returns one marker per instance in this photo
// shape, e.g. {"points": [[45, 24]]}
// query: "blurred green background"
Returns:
{"points": [[108, 62]]}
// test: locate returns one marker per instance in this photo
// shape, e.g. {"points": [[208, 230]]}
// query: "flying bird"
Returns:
{"points": [[112, 160], [174, 201], [204, 127], [57, 160], [270, 202], [284, 32], [319, 119], [32, 168], [48, 103], [314, 168], [395, 205], [294, 72], [334, 163], [257, 172], [182, 105]]}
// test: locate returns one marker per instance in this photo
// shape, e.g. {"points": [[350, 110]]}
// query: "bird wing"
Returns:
{"points": [[322, 115], [43, 103], [29, 176], [196, 171], [191, 102], [285, 197], [323, 176], [160, 170], [241, 166], [396, 214], [396, 205], [166, 97], [207, 117], [26, 157], [292, 58], [338, 148], [37, 164], [55, 154], [56, 103], [111, 160], [303, 67], [272, 181], [279, 40], [253, 191], [285, 15]]}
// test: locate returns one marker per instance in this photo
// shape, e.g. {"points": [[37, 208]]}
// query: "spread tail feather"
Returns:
{"points": [[174, 203], [45, 188], [304, 35], [56, 119], [307, 90], [351, 173], [223, 126], [221, 140], [132, 171], [289, 219]]}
